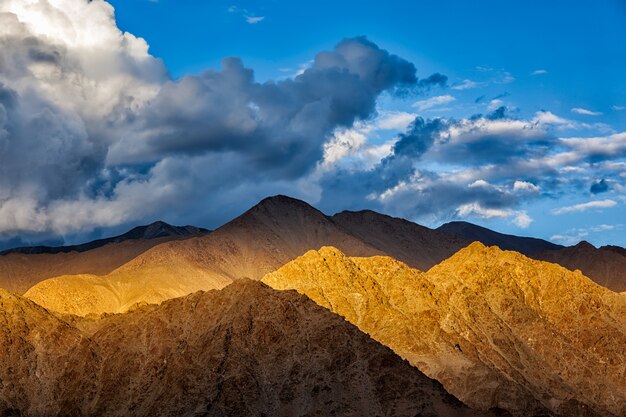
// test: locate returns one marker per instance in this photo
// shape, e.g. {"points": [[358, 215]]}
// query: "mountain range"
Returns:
{"points": [[21, 268], [174, 321]]}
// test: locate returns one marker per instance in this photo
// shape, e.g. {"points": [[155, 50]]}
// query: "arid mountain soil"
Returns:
{"points": [[22, 268], [605, 265], [475, 233], [494, 327], [246, 350], [415, 245]]}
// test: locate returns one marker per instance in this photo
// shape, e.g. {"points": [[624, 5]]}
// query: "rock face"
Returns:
{"points": [[46, 366], [246, 350], [22, 268], [475, 233], [272, 233], [415, 245], [605, 265], [495, 328]]}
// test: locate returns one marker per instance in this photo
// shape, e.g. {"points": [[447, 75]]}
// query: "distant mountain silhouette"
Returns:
{"points": [[605, 265], [475, 233], [416, 245], [152, 231]]}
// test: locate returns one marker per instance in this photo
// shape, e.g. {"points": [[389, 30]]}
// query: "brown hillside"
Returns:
{"points": [[246, 350], [496, 328], [606, 265], [22, 268], [415, 245]]}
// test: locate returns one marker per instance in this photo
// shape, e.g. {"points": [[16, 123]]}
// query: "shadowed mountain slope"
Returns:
{"points": [[22, 268], [246, 350], [417, 246], [605, 265], [494, 327], [475, 233]]}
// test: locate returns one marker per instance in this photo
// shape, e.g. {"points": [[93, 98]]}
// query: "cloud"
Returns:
{"points": [[254, 19], [539, 72], [591, 205], [481, 167], [579, 110], [434, 80], [250, 18], [525, 186], [599, 187], [495, 104], [520, 218], [95, 132], [618, 108], [466, 85], [575, 235], [429, 103]]}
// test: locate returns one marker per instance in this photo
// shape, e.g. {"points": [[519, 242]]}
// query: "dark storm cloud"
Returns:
{"points": [[433, 80], [277, 126], [418, 138], [599, 187]]}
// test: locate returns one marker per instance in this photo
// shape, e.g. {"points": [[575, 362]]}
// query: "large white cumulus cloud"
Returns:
{"points": [[67, 76], [94, 132]]}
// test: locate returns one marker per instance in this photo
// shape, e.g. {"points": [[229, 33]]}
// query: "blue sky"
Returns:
{"points": [[526, 134]]}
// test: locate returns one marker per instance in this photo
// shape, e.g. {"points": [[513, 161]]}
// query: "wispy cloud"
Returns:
{"points": [[519, 218], [466, 85], [432, 102], [494, 104], [574, 236], [539, 72], [249, 17], [586, 112], [579, 208], [618, 108]]}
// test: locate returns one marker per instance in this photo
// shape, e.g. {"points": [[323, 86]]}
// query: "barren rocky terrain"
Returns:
{"points": [[496, 328], [247, 350]]}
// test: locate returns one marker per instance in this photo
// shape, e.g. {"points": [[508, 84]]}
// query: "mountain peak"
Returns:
{"points": [[583, 244], [282, 202]]}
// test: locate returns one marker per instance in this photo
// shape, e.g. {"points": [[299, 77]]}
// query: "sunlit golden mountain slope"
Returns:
{"points": [[496, 328]]}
